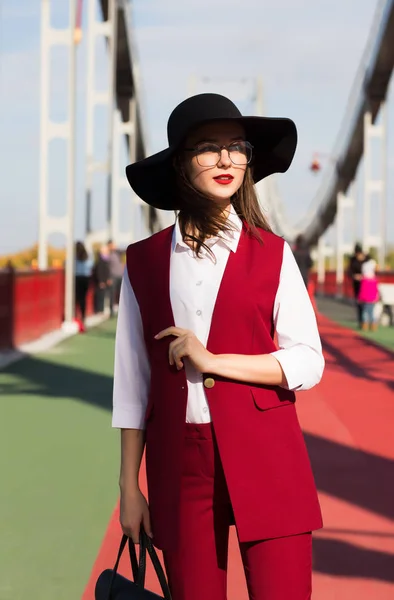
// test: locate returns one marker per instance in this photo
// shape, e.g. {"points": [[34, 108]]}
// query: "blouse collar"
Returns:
{"points": [[229, 239]]}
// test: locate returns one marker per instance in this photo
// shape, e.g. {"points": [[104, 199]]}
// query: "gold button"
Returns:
{"points": [[209, 382]]}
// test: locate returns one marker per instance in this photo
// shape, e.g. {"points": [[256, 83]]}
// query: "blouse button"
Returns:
{"points": [[199, 313]]}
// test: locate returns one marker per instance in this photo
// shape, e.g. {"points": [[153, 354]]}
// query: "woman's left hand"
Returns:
{"points": [[187, 345]]}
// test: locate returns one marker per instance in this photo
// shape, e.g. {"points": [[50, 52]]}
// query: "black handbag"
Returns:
{"points": [[112, 586]]}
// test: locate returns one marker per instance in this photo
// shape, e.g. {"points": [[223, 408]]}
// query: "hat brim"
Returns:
{"points": [[274, 142]]}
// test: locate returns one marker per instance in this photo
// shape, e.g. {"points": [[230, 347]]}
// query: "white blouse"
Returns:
{"points": [[194, 285]]}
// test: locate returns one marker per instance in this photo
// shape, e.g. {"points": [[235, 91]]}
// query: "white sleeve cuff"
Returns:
{"points": [[128, 419], [302, 366]]}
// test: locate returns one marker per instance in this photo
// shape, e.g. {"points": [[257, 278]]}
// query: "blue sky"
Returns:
{"points": [[306, 51]]}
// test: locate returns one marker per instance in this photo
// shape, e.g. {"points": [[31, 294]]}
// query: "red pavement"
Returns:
{"points": [[348, 421]]}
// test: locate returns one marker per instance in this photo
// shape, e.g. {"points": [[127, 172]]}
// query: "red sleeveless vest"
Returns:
{"points": [[260, 442]]}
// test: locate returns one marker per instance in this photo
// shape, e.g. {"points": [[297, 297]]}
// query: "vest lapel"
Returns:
{"points": [[161, 278]]}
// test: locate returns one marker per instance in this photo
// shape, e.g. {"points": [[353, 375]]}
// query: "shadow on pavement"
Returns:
{"points": [[334, 557], [358, 477], [359, 367], [39, 377]]}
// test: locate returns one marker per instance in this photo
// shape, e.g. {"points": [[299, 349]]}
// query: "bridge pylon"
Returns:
{"points": [[345, 204], [50, 130], [375, 187]]}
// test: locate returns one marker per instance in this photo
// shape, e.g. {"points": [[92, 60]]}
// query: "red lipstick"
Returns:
{"points": [[224, 179]]}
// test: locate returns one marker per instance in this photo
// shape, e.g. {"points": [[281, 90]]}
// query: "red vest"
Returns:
{"points": [[260, 442]]}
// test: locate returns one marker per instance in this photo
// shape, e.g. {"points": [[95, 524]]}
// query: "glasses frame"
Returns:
{"points": [[221, 148]]}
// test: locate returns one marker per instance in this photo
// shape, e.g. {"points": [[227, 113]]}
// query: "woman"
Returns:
{"points": [[197, 374], [83, 271], [102, 279], [368, 294]]}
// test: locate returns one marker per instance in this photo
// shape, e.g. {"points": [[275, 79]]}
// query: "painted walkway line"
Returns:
{"points": [[348, 425]]}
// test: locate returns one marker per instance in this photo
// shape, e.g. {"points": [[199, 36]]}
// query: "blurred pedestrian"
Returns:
{"points": [[116, 269], [83, 272], [368, 294], [10, 266], [303, 258], [356, 262], [102, 279]]}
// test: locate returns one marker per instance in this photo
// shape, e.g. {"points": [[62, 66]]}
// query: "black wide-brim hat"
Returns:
{"points": [[274, 142]]}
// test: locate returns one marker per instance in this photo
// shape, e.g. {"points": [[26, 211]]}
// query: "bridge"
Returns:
{"points": [[354, 553], [335, 199]]}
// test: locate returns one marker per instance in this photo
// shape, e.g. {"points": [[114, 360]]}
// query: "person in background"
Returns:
{"points": [[369, 294], [116, 268], [83, 271], [9, 266], [102, 278], [356, 261], [303, 258]]}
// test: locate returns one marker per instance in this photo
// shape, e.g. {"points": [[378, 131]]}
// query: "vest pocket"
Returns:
{"points": [[268, 398]]}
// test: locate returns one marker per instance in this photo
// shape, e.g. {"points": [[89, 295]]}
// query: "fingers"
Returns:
{"points": [[146, 523], [134, 512], [176, 351], [178, 361], [176, 331], [179, 348], [132, 531]]}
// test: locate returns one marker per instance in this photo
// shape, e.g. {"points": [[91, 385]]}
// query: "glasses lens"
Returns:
{"points": [[240, 153], [208, 155]]}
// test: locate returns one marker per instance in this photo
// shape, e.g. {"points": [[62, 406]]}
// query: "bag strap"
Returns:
{"points": [[133, 561], [139, 567], [147, 541], [115, 569]]}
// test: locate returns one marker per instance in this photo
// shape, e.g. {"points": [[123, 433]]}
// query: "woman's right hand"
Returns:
{"points": [[134, 511]]}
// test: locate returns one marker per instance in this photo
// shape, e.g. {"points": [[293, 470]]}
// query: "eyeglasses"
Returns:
{"points": [[208, 155]]}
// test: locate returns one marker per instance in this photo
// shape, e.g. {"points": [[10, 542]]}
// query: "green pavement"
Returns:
{"points": [[345, 315], [58, 465], [384, 336]]}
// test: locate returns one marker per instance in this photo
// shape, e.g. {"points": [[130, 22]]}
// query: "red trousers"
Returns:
{"points": [[277, 569]]}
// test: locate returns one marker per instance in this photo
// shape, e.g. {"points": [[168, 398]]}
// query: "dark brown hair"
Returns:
{"points": [[80, 252], [205, 218]]}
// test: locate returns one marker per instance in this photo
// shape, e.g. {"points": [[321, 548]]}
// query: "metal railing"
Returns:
{"points": [[356, 103]]}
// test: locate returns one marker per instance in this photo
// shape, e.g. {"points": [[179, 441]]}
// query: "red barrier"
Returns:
{"points": [[32, 302], [6, 308], [38, 304], [31, 305]]}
